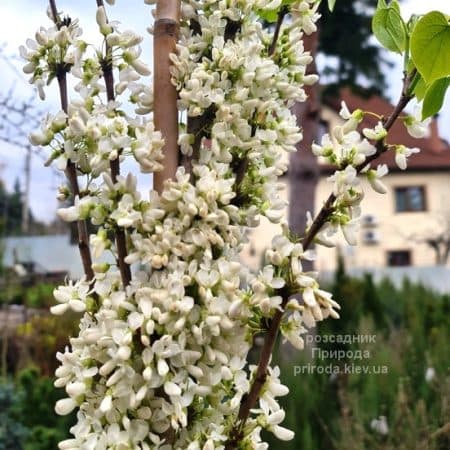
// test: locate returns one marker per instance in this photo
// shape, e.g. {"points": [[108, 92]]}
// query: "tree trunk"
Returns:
{"points": [[165, 94], [303, 168]]}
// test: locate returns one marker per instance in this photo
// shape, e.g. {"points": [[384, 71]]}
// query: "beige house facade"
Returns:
{"points": [[407, 226]]}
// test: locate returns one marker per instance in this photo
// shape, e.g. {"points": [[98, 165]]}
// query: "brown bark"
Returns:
{"points": [[165, 94], [71, 171], [120, 235]]}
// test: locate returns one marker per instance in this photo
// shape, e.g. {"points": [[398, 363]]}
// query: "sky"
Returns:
{"points": [[21, 18]]}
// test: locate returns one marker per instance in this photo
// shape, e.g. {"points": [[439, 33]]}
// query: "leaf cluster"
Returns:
{"points": [[424, 43]]}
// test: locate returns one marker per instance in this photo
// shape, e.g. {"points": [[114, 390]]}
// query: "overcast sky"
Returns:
{"points": [[19, 20]]}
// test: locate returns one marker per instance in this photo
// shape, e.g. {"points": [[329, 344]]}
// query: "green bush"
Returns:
{"points": [[27, 417], [12, 431], [335, 412]]}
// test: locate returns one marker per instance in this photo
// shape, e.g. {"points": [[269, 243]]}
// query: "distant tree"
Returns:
{"points": [[345, 40], [438, 239], [12, 431], [11, 210]]}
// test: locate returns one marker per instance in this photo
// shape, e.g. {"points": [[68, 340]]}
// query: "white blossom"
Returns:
{"points": [[377, 133], [417, 127], [402, 154], [380, 425], [430, 374], [374, 178]]}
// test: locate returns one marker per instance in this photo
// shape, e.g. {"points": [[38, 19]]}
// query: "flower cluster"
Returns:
{"points": [[55, 49], [161, 362], [351, 150]]}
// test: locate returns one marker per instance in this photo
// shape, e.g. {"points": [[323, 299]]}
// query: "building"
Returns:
{"points": [[407, 226], [49, 257]]}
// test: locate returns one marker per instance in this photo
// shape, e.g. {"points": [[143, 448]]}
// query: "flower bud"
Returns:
{"points": [[65, 406]]}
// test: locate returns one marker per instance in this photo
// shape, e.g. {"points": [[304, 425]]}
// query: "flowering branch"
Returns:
{"points": [[381, 147], [281, 15], [165, 37], [243, 163], [114, 164], [71, 171], [323, 216]]}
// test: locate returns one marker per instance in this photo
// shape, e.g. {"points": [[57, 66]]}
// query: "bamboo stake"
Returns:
{"points": [[165, 94]]}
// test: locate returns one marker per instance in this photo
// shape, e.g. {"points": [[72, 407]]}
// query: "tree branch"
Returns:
{"points": [[121, 239], [249, 402], [71, 171], [198, 126], [281, 15], [165, 94], [243, 164]]}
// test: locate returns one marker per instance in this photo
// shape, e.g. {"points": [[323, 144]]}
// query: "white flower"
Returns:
{"points": [[350, 229], [377, 134], [293, 328], [325, 235], [76, 388], [344, 112], [352, 119], [79, 211], [343, 179], [373, 176], [430, 374], [283, 433], [326, 148], [72, 296], [99, 243], [181, 330], [273, 4], [380, 425], [102, 21], [416, 127], [106, 404], [65, 406], [402, 154]]}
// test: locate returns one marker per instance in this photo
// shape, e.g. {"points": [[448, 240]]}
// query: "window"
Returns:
{"points": [[399, 258], [410, 198]]}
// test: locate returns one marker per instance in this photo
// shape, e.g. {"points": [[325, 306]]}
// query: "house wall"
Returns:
{"points": [[396, 230]]}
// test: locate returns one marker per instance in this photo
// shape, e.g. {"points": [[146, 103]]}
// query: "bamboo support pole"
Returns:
{"points": [[165, 94]]}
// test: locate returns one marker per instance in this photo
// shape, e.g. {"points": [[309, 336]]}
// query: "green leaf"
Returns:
{"points": [[381, 4], [395, 5], [430, 46], [434, 97], [331, 4], [420, 89], [271, 15], [268, 16], [389, 29]]}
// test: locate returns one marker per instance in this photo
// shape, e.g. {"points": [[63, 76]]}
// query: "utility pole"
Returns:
{"points": [[26, 193]]}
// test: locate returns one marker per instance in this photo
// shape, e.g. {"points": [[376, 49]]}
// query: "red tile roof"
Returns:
{"points": [[435, 152]]}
